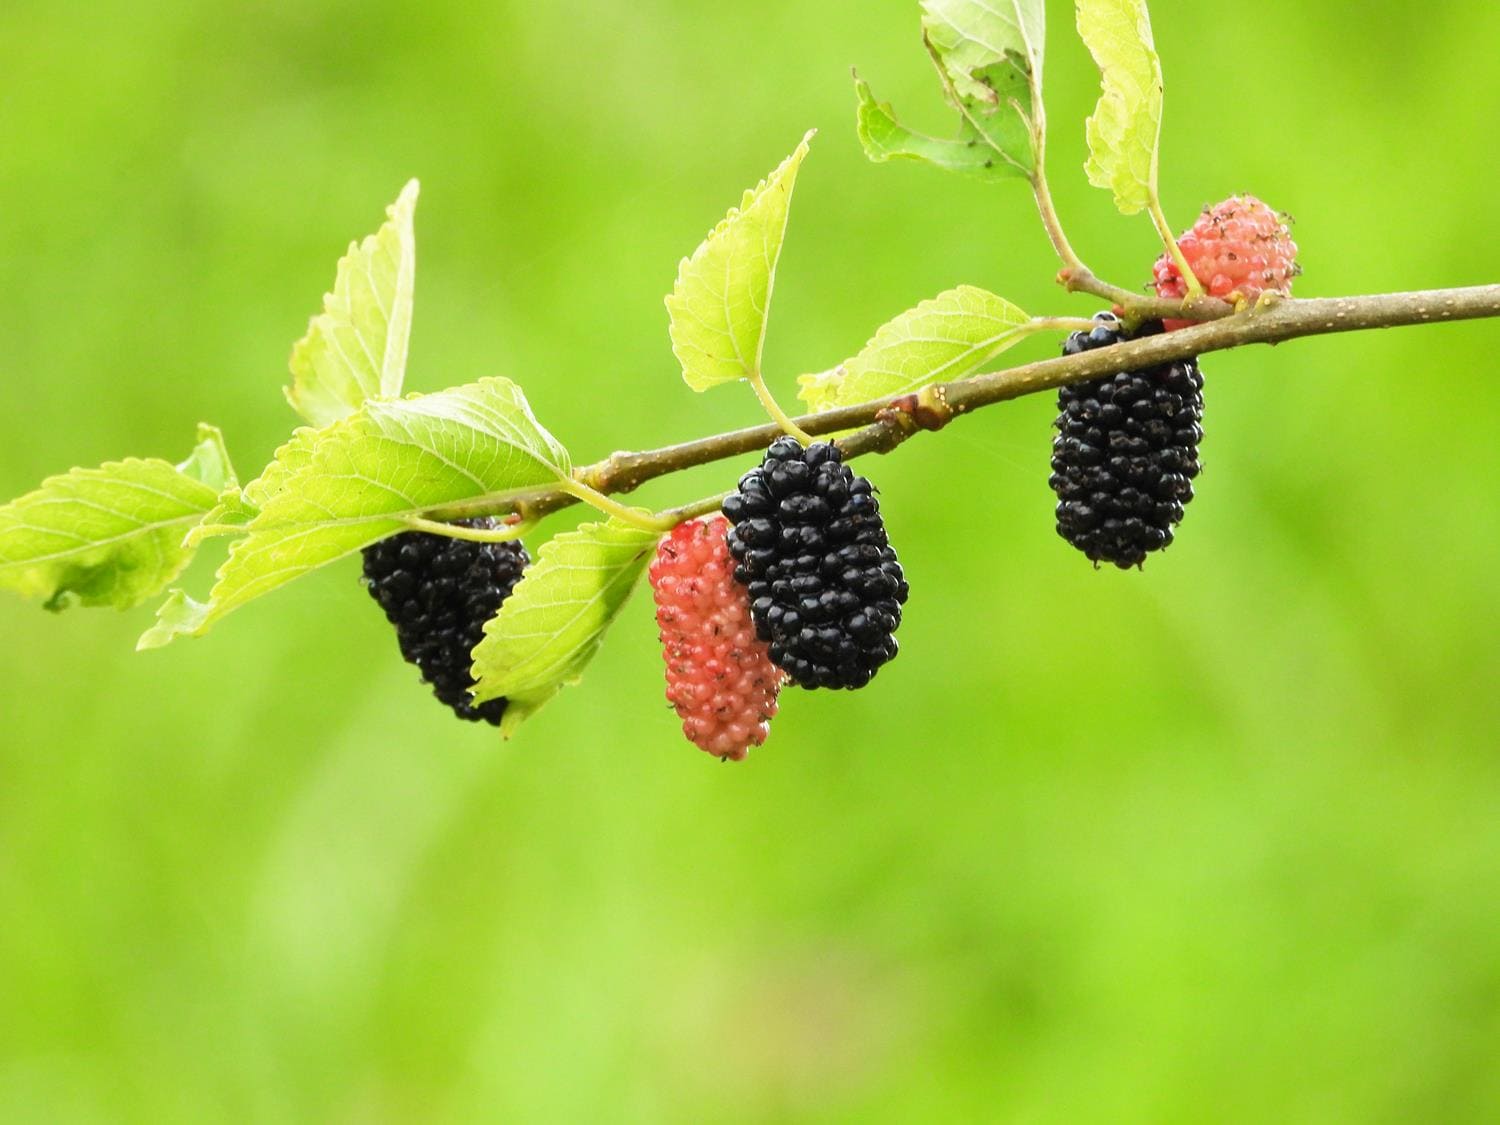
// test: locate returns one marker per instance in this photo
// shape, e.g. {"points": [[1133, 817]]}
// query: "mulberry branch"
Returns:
{"points": [[880, 426]]}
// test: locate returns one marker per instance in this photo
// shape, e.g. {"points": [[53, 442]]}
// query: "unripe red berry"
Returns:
{"points": [[1239, 246], [720, 678]]}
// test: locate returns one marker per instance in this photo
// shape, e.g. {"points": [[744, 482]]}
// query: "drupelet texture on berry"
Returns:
{"points": [[1237, 246], [825, 587], [438, 592], [720, 678], [1126, 452]]}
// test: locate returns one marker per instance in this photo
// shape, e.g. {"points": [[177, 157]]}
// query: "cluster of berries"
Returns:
{"points": [[438, 592], [1126, 450], [825, 588], [797, 581], [812, 573]]}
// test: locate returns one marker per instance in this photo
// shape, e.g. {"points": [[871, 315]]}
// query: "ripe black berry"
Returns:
{"points": [[825, 588], [1126, 451], [438, 592]]}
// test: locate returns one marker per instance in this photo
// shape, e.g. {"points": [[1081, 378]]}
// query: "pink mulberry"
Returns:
{"points": [[720, 677], [1237, 246]]}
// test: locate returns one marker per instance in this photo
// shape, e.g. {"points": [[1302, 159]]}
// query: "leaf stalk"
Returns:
{"points": [[773, 408]]}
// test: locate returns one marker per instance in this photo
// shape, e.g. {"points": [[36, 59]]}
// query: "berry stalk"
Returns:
{"points": [[773, 408], [1174, 251]]}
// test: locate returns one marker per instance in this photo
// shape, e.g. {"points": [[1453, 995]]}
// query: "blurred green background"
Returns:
{"points": [[1216, 841]]}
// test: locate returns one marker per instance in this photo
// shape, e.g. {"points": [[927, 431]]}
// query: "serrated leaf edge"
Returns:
{"points": [[211, 611], [675, 302], [1112, 102], [392, 372]]}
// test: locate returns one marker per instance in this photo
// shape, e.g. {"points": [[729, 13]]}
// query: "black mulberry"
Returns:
{"points": [[438, 592], [1126, 451], [825, 588]]}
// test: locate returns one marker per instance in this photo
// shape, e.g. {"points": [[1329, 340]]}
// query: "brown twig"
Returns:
{"points": [[881, 426]]}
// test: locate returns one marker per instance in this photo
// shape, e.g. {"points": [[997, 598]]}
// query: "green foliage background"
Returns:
{"points": [[1214, 841]]}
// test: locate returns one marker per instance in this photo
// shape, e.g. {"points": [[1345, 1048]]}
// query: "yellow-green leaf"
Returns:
{"points": [[111, 535], [357, 480], [1125, 129], [722, 298], [555, 619], [885, 138], [238, 506], [970, 36], [820, 389], [178, 616], [356, 348], [948, 337], [989, 54]]}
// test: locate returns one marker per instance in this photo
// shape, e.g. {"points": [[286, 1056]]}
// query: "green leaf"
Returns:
{"points": [[356, 348], [989, 54], [291, 458], [209, 462], [885, 138], [948, 337], [238, 506], [175, 617], [1125, 130], [970, 36], [722, 298], [111, 535], [555, 619], [820, 389], [341, 488]]}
